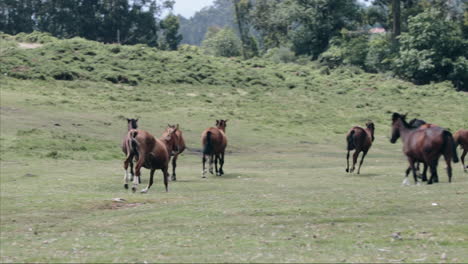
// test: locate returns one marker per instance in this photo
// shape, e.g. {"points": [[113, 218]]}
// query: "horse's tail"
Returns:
{"points": [[208, 147], [132, 144], [450, 142], [350, 140]]}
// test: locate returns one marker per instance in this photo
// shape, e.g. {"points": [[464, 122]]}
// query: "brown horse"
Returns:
{"points": [[359, 139], [461, 138], [424, 145], [131, 124], [214, 142], [150, 153], [178, 147]]}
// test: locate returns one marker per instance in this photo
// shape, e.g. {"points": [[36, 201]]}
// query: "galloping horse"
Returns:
{"points": [[150, 153], [132, 124], [419, 123], [424, 145], [178, 148], [214, 142], [461, 138], [359, 139]]}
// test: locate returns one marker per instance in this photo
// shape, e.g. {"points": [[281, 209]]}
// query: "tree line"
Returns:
{"points": [[418, 40], [109, 21]]}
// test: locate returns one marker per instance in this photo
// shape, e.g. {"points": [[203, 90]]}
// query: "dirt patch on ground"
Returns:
{"points": [[117, 205], [25, 45]]}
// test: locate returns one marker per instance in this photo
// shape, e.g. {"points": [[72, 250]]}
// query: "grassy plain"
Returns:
{"points": [[285, 196]]}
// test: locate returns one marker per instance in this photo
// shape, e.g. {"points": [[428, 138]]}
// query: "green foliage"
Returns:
{"points": [[379, 57], [194, 29], [280, 55], [222, 43], [109, 21], [170, 27], [351, 49], [433, 49]]}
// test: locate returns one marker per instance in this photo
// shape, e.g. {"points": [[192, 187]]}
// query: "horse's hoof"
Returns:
{"points": [[133, 189], [347, 170], [144, 191], [173, 178], [126, 186]]}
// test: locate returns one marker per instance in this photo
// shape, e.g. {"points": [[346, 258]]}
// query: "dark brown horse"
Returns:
{"points": [[150, 153], [214, 142], [461, 138], [424, 145], [415, 124], [359, 139], [178, 147], [131, 124]]}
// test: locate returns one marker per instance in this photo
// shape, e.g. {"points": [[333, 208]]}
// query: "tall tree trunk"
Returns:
{"points": [[396, 20], [241, 29]]}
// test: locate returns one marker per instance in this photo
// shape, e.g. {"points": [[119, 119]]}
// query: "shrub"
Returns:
{"points": [[433, 49], [222, 43], [281, 54], [379, 56]]}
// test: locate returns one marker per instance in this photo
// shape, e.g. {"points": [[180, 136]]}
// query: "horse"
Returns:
{"points": [[461, 138], [150, 153], [178, 148], [421, 124], [214, 142], [131, 124], [359, 139], [424, 145]]}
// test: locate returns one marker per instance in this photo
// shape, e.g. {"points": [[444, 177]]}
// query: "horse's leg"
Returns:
{"points": [[136, 179], [424, 174], [217, 158], [433, 167], [166, 177], [364, 153], [449, 167], [355, 157], [174, 165], [221, 164], [211, 163], [145, 190], [127, 176], [204, 169], [406, 181], [347, 162], [463, 159], [413, 168]]}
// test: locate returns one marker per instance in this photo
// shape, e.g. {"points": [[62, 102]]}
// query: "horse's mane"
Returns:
{"points": [[397, 116]]}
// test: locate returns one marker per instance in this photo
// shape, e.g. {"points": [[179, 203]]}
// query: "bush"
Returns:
{"points": [[223, 42], [349, 49], [379, 56], [433, 49], [281, 54]]}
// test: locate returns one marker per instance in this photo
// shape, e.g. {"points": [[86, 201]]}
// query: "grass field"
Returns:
{"points": [[285, 196]]}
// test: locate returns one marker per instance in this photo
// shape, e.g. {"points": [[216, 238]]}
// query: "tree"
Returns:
{"points": [[433, 49], [222, 42], [170, 27]]}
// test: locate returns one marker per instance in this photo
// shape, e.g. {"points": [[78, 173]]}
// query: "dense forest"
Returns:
{"points": [[418, 40]]}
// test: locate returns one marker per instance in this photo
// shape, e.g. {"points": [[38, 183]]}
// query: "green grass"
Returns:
{"points": [[284, 198]]}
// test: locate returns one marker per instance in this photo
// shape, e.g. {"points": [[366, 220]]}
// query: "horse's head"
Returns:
{"points": [[398, 121], [170, 136], [221, 124], [415, 123], [132, 123], [370, 125]]}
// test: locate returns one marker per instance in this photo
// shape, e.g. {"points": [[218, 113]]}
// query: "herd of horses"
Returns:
{"points": [[423, 143], [155, 153]]}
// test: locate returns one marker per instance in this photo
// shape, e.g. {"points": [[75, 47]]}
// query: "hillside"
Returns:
{"points": [[285, 196]]}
